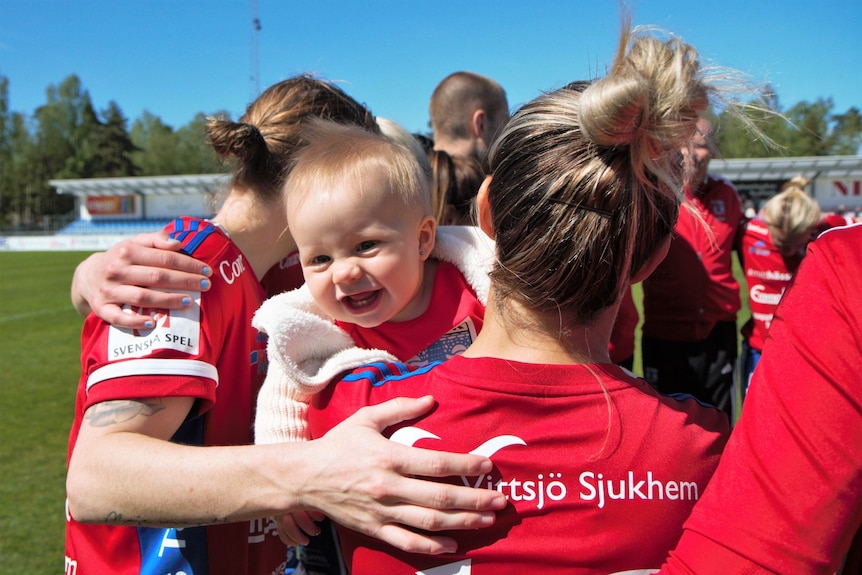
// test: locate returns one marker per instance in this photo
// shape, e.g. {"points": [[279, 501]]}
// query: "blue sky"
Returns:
{"points": [[175, 58]]}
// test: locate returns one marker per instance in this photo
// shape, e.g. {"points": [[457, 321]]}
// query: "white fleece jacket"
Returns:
{"points": [[307, 350]]}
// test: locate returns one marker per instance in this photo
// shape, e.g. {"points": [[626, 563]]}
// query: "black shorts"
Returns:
{"points": [[704, 369]]}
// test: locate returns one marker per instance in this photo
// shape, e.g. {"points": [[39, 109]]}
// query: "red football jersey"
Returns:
{"points": [[211, 352], [600, 470], [447, 328], [693, 288], [284, 276], [767, 274], [787, 495]]}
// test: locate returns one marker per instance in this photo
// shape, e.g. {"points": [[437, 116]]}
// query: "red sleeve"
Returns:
{"points": [[787, 495], [363, 386]]}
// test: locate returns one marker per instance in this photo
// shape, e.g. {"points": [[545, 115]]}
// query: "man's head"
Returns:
{"points": [[467, 111], [697, 153]]}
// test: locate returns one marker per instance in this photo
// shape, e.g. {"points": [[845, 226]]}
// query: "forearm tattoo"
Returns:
{"points": [[115, 518], [120, 411]]}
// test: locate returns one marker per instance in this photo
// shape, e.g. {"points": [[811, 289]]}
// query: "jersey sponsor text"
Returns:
{"points": [[759, 294], [177, 329], [597, 488]]}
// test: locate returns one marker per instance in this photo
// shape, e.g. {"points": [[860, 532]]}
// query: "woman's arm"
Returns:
{"points": [[133, 272], [123, 471]]}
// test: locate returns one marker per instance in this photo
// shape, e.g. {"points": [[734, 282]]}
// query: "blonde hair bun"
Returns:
{"points": [[650, 99]]}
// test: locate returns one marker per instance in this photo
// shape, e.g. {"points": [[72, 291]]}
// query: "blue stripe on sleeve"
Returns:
{"points": [[380, 373], [185, 229]]}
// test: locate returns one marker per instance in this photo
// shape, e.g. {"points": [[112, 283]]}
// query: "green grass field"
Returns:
{"points": [[39, 366], [39, 363]]}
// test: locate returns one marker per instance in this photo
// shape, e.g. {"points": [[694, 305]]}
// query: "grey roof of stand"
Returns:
{"points": [[146, 185], [736, 170], [760, 169]]}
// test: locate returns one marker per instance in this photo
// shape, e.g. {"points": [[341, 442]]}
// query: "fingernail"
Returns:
{"points": [[488, 520], [207, 271], [205, 284], [148, 324], [187, 301]]}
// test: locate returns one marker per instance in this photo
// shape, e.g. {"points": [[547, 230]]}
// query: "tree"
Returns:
{"points": [[848, 133], [758, 131], [66, 138], [810, 133], [196, 156], [156, 145], [806, 129], [114, 147], [5, 147]]}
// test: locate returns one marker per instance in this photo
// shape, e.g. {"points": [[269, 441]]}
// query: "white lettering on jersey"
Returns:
{"points": [[71, 567], [171, 543], [259, 528], [601, 490], [177, 329], [519, 489], [551, 486], [289, 261], [770, 275], [766, 318], [231, 270], [759, 294]]}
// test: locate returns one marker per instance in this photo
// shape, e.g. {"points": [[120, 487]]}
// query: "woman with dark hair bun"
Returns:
{"points": [[162, 476]]}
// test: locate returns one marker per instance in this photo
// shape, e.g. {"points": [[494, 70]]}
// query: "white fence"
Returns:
{"points": [[83, 243]]}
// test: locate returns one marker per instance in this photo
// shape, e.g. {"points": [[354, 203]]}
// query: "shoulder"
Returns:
{"points": [[366, 385], [193, 233], [830, 269], [720, 182], [720, 188], [756, 229], [842, 240], [381, 374], [824, 295]]}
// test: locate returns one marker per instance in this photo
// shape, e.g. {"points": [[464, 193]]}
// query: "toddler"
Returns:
{"points": [[382, 281]]}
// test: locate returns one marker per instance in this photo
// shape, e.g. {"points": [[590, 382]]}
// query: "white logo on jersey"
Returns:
{"points": [[515, 489], [177, 329], [457, 568], [759, 294]]}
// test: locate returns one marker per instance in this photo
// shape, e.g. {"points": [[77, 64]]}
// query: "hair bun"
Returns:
{"points": [[650, 100], [612, 110], [238, 139]]}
